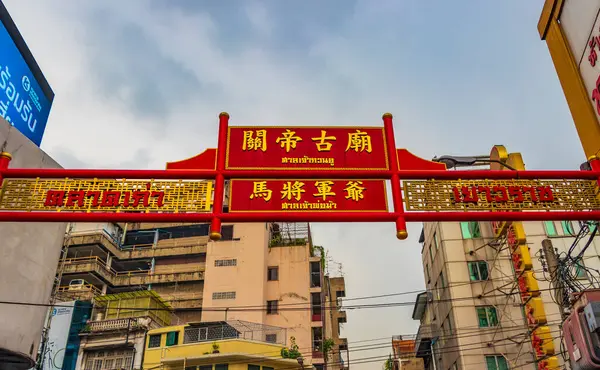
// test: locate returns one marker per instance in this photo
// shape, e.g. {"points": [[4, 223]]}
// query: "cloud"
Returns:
{"points": [[141, 83]]}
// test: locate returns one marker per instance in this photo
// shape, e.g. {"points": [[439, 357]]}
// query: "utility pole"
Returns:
{"points": [[552, 261]]}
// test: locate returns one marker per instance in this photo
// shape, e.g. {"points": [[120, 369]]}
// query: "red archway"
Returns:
{"points": [[252, 159]]}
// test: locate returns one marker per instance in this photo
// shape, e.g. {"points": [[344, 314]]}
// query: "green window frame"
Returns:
{"points": [[487, 316], [172, 338], [568, 228], [478, 270], [470, 230], [496, 362], [550, 228]]}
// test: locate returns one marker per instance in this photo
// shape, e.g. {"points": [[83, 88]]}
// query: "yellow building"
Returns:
{"points": [[232, 345]]}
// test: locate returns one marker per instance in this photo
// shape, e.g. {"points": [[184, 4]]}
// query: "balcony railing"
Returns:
{"points": [[118, 324], [135, 277]]}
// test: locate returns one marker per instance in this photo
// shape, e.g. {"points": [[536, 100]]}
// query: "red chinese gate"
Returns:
{"points": [[318, 174]]}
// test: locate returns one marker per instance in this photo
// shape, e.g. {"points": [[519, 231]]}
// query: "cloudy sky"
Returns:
{"points": [[140, 83]]}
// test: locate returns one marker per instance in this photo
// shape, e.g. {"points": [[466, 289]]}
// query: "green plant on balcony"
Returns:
{"points": [[388, 364], [327, 346], [215, 348], [292, 352]]}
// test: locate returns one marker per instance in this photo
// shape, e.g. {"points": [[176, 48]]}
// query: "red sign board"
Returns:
{"points": [[294, 148], [259, 195]]}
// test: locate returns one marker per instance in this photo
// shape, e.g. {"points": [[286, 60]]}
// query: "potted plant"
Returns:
{"points": [[215, 348]]}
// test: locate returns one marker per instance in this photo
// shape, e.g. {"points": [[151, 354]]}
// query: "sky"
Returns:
{"points": [[141, 83]]}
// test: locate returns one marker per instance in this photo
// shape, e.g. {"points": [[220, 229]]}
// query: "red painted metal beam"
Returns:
{"points": [[282, 174], [296, 216]]}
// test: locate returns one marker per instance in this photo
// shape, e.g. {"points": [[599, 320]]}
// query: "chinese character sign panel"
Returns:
{"points": [[331, 148], [22, 102], [307, 195]]}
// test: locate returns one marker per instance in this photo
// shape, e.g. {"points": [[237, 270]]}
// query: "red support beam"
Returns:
{"points": [[282, 174], [296, 216], [388, 126], [215, 224]]}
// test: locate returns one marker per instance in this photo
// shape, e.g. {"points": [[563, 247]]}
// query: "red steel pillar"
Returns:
{"points": [[388, 126], [215, 225], [4, 161]]}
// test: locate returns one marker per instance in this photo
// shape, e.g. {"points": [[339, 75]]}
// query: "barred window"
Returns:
{"points": [[224, 263], [271, 338], [154, 341], [223, 295]]}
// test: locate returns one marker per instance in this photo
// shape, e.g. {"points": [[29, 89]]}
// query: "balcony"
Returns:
{"points": [[98, 267], [423, 340], [83, 293], [167, 247], [120, 324], [342, 318], [188, 300]]}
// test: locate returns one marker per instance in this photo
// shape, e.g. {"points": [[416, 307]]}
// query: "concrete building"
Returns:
{"points": [[266, 274], [115, 337], [39, 244], [231, 345], [472, 315]]}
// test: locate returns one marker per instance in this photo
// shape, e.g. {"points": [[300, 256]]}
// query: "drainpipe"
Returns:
{"points": [[433, 359]]}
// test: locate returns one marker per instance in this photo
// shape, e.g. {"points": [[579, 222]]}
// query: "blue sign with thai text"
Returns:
{"points": [[22, 102]]}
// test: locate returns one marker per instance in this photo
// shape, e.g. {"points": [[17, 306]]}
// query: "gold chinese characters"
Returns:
{"points": [[255, 140], [294, 190]]}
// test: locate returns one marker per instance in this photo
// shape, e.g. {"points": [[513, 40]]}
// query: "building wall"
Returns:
{"points": [[291, 290], [247, 279], [29, 254], [237, 353], [457, 298], [452, 257], [112, 341]]}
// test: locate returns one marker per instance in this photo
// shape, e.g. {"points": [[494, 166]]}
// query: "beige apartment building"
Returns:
{"points": [[471, 314], [262, 273]]}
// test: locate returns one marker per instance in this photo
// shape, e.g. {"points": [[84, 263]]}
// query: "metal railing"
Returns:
{"points": [[96, 264], [235, 329]]}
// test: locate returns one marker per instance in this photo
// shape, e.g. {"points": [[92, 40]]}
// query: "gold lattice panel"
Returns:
{"points": [[500, 195], [106, 195]]}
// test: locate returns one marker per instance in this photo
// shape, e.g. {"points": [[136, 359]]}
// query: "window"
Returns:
{"points": [[154, 341], [224, 263], [436, 242], [221, 366], [442, 281], [496, 362], [271, 338], [253, 367], [427, 273], [172, 338], [478, 270], [227, 232], [430, 255], [580, 269], [487, 316], [273, 273], [454, 366], [550, 228], [268, 368], [470, 230], [223, 295], [272, 307], [209, 367], [567, 227]]}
